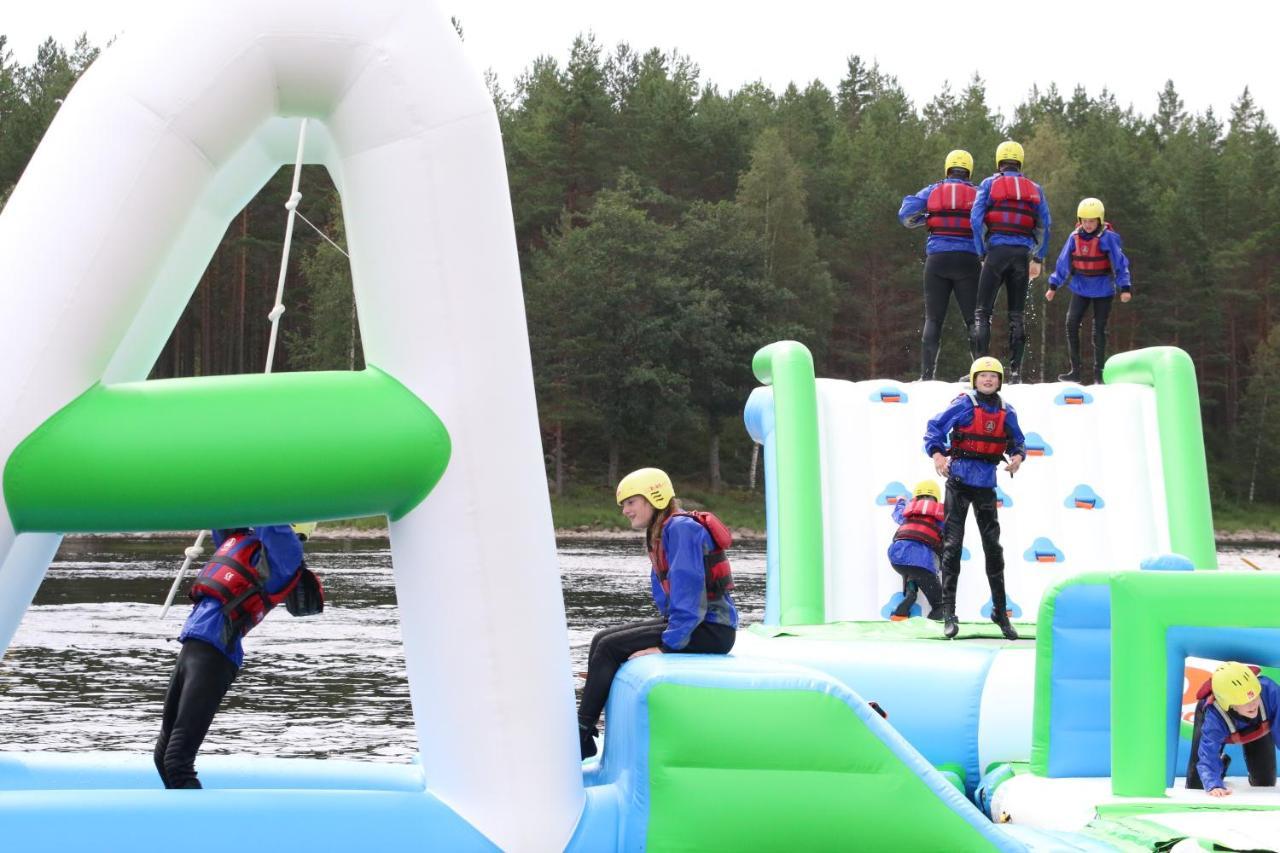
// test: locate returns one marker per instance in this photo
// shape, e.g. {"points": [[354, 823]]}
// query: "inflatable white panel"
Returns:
{"points": [[162, 142], [1005, 712], [1089, 497]]}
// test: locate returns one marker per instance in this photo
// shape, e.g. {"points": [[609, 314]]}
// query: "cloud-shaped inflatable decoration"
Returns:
{"points": [[1037, 446], [1073, 397], [964, 553], [888, 394], [1043, 551], [892, 493], [1167, 563], [1002, 497], [894, 601], [1010, 606], [1083, 497]]}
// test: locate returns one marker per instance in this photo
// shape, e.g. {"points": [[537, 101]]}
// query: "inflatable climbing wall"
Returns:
{"points": [[1094, 493]]}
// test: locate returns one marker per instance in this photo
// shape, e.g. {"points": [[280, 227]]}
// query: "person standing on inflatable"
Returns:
{"points": [[966, 442], [1010, 220], [251, 572], [951, 264], [916, 546], [1093, 265], [1235, 706], [691, 582]]}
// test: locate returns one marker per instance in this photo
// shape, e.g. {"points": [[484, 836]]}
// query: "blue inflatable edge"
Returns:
{"points": [[760, 422]]}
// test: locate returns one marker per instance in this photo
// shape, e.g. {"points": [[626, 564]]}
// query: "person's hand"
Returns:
{"points": [[652, 650], [941, 464], [1220, 792], [1014, 464], [1125, 296], [1033, 270], [1048, 294]]}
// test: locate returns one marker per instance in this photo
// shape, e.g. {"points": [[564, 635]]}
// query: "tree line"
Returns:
{"points": [[667, 228]]}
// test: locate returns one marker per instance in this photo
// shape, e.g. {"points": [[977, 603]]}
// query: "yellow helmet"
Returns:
{"points": [[986, 363], [927, 487], [1008, 150], [1235, 684], [1091, 208], [958, 159], [304, 529], [652, 483]]}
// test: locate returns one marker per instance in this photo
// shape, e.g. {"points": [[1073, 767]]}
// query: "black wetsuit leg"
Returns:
{"points": [[200, 679], [946, 273], [1260, 759], [1193, 773], [612, 647], [957, 508], [1101, 314], [985, 514], [1004, 266], [1075, 317], [920, 580]]}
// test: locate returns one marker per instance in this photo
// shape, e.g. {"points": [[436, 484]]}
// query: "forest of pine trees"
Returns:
{"points": [[668, 227]]}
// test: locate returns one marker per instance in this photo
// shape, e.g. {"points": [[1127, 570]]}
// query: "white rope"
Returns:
{"points": [[193, 553], [325, 236]]}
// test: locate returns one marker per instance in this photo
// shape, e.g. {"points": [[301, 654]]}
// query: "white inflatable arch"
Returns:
{"points": [[161, 144]]}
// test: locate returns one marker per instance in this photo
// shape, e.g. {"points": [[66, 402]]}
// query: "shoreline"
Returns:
{"points": [[1264, 538]]}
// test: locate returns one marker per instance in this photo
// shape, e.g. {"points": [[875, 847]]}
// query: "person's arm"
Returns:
{"points": [[283, 554], [899, 512], [938, 430], [659, 597], [1119, 263], [1209, 758], [976, 216], [913, 212], [1062, 270], [685, 541], [1043, 222], [1017, 442]]}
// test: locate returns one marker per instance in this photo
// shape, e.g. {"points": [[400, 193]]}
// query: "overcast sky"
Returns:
{"points": [[1121, 44]]}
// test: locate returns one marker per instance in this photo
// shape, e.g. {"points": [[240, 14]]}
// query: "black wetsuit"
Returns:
{"points": [[946, 273], [1005, 266], [200, 679], [1075, 318]]}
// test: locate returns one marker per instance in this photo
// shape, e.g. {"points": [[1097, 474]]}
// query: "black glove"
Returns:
{"points": [[307, 596]]}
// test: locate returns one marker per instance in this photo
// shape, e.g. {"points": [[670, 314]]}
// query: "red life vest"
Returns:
{"points": [[949, 205], [1088, 257], [986, 438], [1205, 694], [719, 575], [1012, 202], [232, 577], [922, 522]]}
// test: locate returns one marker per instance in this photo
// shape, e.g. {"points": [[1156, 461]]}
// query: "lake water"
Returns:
{"points": [[89, 665]]}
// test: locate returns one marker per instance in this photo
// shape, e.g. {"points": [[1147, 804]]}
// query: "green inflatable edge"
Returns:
{"points": [[784, 770], [1172, 374], [227, 451], [1144, 605], [788, 367]]}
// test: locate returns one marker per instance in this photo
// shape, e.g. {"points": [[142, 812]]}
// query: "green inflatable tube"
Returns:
{"points": [[227, 451], [1186, 478], [788, 367]]}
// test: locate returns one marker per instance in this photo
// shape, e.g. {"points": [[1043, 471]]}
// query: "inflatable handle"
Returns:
{"points": [[788, 367], [1172, 374]]}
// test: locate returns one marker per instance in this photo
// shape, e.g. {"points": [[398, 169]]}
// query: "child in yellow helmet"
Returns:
{"points": [[915, 552], [1236, 706], [1092, 264], [691, 584]]}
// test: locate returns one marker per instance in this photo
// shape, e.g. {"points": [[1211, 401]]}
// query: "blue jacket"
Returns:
{"points": [[1038, 246], [1213, 733], [1092, 286], [913, 213], [283, 552], [907, 552], [971, 472], [685, 541]]}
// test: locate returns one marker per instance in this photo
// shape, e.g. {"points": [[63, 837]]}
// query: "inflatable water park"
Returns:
{"points": [[1072, 741]]}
